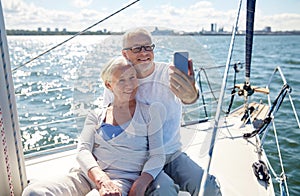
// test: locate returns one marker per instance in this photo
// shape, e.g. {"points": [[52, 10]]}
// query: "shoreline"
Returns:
{"points": [[172, 33]]}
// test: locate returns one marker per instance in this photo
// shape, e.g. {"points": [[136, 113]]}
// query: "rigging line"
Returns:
{"points": [[290, 97], [220, 102], [280, 178], [53, 122], [280, 158], [79, 33]]}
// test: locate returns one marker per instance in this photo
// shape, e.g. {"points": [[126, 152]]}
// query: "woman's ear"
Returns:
{"points": [[108, 85]]}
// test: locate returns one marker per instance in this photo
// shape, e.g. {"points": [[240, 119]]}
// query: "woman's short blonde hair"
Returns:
{"points": [[110, 66]]}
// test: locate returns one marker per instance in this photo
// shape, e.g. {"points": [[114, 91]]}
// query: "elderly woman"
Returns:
{"points": [[120, 150], [128, 142]]}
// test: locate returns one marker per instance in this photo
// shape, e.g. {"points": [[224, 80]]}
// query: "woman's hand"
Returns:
{"points": [[104, 184], [108, 188]]}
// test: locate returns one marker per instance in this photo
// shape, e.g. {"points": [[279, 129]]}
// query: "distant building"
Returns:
{"points": [[162, 32], [56, 30], [48, 29], [267, 29], [64, 30], [213, 27], [39, 29]]}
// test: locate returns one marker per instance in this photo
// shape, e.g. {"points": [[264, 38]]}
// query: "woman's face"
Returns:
{"points": [[123, 83]]}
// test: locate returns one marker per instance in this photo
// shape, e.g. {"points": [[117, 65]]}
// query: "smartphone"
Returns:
{"points": [[181, 61]]}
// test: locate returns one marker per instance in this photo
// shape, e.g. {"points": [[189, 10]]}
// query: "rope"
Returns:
{"points": [[79, 33], [281, 179], [3, 139], [233, 89], [284, 187]]}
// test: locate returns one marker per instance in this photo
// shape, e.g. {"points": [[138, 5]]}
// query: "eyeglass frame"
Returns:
{"points": [[140, 48]]}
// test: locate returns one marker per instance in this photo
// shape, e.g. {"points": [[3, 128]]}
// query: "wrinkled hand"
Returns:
{"points": [[108, 188], [182, 85], [104, 184]]}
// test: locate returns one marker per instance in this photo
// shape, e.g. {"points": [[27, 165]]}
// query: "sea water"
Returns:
{"points": [[55, 92]]}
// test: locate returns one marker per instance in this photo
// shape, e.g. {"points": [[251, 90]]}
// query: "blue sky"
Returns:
{"points": [[188, 15]]}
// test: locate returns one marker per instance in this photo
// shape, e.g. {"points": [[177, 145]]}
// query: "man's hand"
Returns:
{"points": [[140, 185], [182, 85]]}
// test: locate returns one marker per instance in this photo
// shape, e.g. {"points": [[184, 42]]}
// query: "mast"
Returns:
{"points": [[249, 38], [12, 167], [247, 90]]}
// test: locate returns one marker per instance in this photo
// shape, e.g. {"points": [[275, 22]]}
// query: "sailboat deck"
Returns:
{"points": [[233, 155], [260, 111]]}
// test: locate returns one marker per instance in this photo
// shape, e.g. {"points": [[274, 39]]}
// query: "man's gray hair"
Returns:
{"points": [[132, 32]]}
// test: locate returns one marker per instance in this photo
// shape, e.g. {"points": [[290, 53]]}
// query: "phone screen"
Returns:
{"points": [[181, 61]]}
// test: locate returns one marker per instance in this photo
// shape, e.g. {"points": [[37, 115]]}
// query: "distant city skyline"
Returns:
{"points": [[213, 28], [190, 16]]}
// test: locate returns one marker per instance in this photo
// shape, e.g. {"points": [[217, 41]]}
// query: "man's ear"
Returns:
{"points": [[124, 54], [107, 85]]}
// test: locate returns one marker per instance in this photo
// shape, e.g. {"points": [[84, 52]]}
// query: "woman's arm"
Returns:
{"points": [[87, 161], [84, 156]]}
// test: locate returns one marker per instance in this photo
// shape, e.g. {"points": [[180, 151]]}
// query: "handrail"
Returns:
{"points": [[282, 178], [278, 69]]}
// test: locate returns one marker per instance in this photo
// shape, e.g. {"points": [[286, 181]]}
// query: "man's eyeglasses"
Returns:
{"points": [[137, 49]]}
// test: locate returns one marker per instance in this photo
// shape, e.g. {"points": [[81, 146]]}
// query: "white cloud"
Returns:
{"points": [[19, 15], [81, 3], [284, 21], [12, 5]]}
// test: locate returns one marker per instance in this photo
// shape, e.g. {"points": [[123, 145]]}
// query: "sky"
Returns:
{"points": [[180, 15]]}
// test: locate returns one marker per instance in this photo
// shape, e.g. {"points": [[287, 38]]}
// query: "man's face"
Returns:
{"points": [[143, 60]]}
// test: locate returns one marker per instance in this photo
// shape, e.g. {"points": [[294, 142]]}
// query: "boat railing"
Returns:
{"points": [[274, 105], [269, 122], [204, 109], [278, 70], [50, 151], [286, 90]]}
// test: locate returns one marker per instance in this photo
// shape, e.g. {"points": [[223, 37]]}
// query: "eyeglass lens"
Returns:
{"points": [[139, 48]]}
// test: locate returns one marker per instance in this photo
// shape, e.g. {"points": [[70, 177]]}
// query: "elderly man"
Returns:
{"points": [[159, 82]]}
